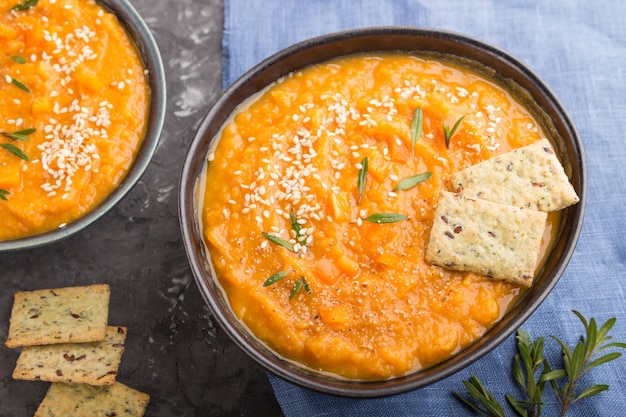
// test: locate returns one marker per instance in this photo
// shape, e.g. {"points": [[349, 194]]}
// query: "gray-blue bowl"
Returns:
{"points": [[147, 47], [504, 67]]}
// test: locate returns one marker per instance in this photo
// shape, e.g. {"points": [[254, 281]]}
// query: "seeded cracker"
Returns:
{"points": [[496, 240], [94, 363], [531, 177], [63, 315], [80, 400]]}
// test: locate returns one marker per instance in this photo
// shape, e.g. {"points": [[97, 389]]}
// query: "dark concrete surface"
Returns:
{"points": [[175, 351]]}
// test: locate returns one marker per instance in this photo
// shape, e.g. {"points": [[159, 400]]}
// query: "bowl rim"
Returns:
{"points": [[146, 45], [252, 81]]}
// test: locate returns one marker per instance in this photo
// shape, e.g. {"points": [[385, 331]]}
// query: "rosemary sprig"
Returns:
{"points": [[3, 194], [297, 228], [526, 363], [410, 182], [278, 241], [274, 278], [447, 132], [487, 405], [530, 362], [25, 5], [362, 179], [20, 135], [18, 59], [14, 150], [299, 285], [416, 128], [581, 360], [385, 218], [19, 84]]}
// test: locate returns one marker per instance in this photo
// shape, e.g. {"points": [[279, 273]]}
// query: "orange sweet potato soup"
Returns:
{"points": [[74, 100], [315, 237]]}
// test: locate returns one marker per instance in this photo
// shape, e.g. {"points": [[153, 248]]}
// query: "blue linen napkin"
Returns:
{"points": [[579, 49]]}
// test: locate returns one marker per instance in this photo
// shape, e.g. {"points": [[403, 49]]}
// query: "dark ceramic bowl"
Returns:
{"points": [[147, 47], [502, 66]]}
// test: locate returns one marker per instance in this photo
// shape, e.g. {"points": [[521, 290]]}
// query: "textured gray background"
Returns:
{"points": [[175, 351]]}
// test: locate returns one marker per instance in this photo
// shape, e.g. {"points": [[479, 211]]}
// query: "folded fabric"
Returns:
{"points": [[578, 48]]}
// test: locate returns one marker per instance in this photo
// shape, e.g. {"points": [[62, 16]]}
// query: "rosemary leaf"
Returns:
{"points": [[527, 364], [20, 135], [591, 391], [25, 5], [278, 241], [18, 59], [530, 363], [410, 182], [297, 227], [579, 361], [485, 403], [362, 180], [3, 194], [14, 150], [274, 278], [20, 85], [416, 128], [385, 218], [297, 286], [447, 132]]}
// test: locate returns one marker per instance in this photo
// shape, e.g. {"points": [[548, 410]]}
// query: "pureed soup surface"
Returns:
{"points": [[346, 295], [69, 71]]}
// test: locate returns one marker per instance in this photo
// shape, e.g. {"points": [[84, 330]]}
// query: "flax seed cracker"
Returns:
{"points": [[62, 315], [531, 177], [94, 363], [79, 400], [497, 240]]}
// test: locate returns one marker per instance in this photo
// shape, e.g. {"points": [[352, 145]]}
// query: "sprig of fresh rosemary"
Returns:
{"points": [[385, 218], [20, 135], [25, 5], [274, 278], [297, 228], [581, 360], [18, 59], [532, 371], [410, 182], [299, 285], [416, 128], [362, 178], [14, 150], [278, 241], [490, 405], [526, 363], [447, 132], [19, 84]]}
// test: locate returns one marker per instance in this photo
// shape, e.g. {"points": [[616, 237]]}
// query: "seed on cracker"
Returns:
{"points": [[62, 315], [80, 400], [531, 177], [496, 240], [94, 363]]}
